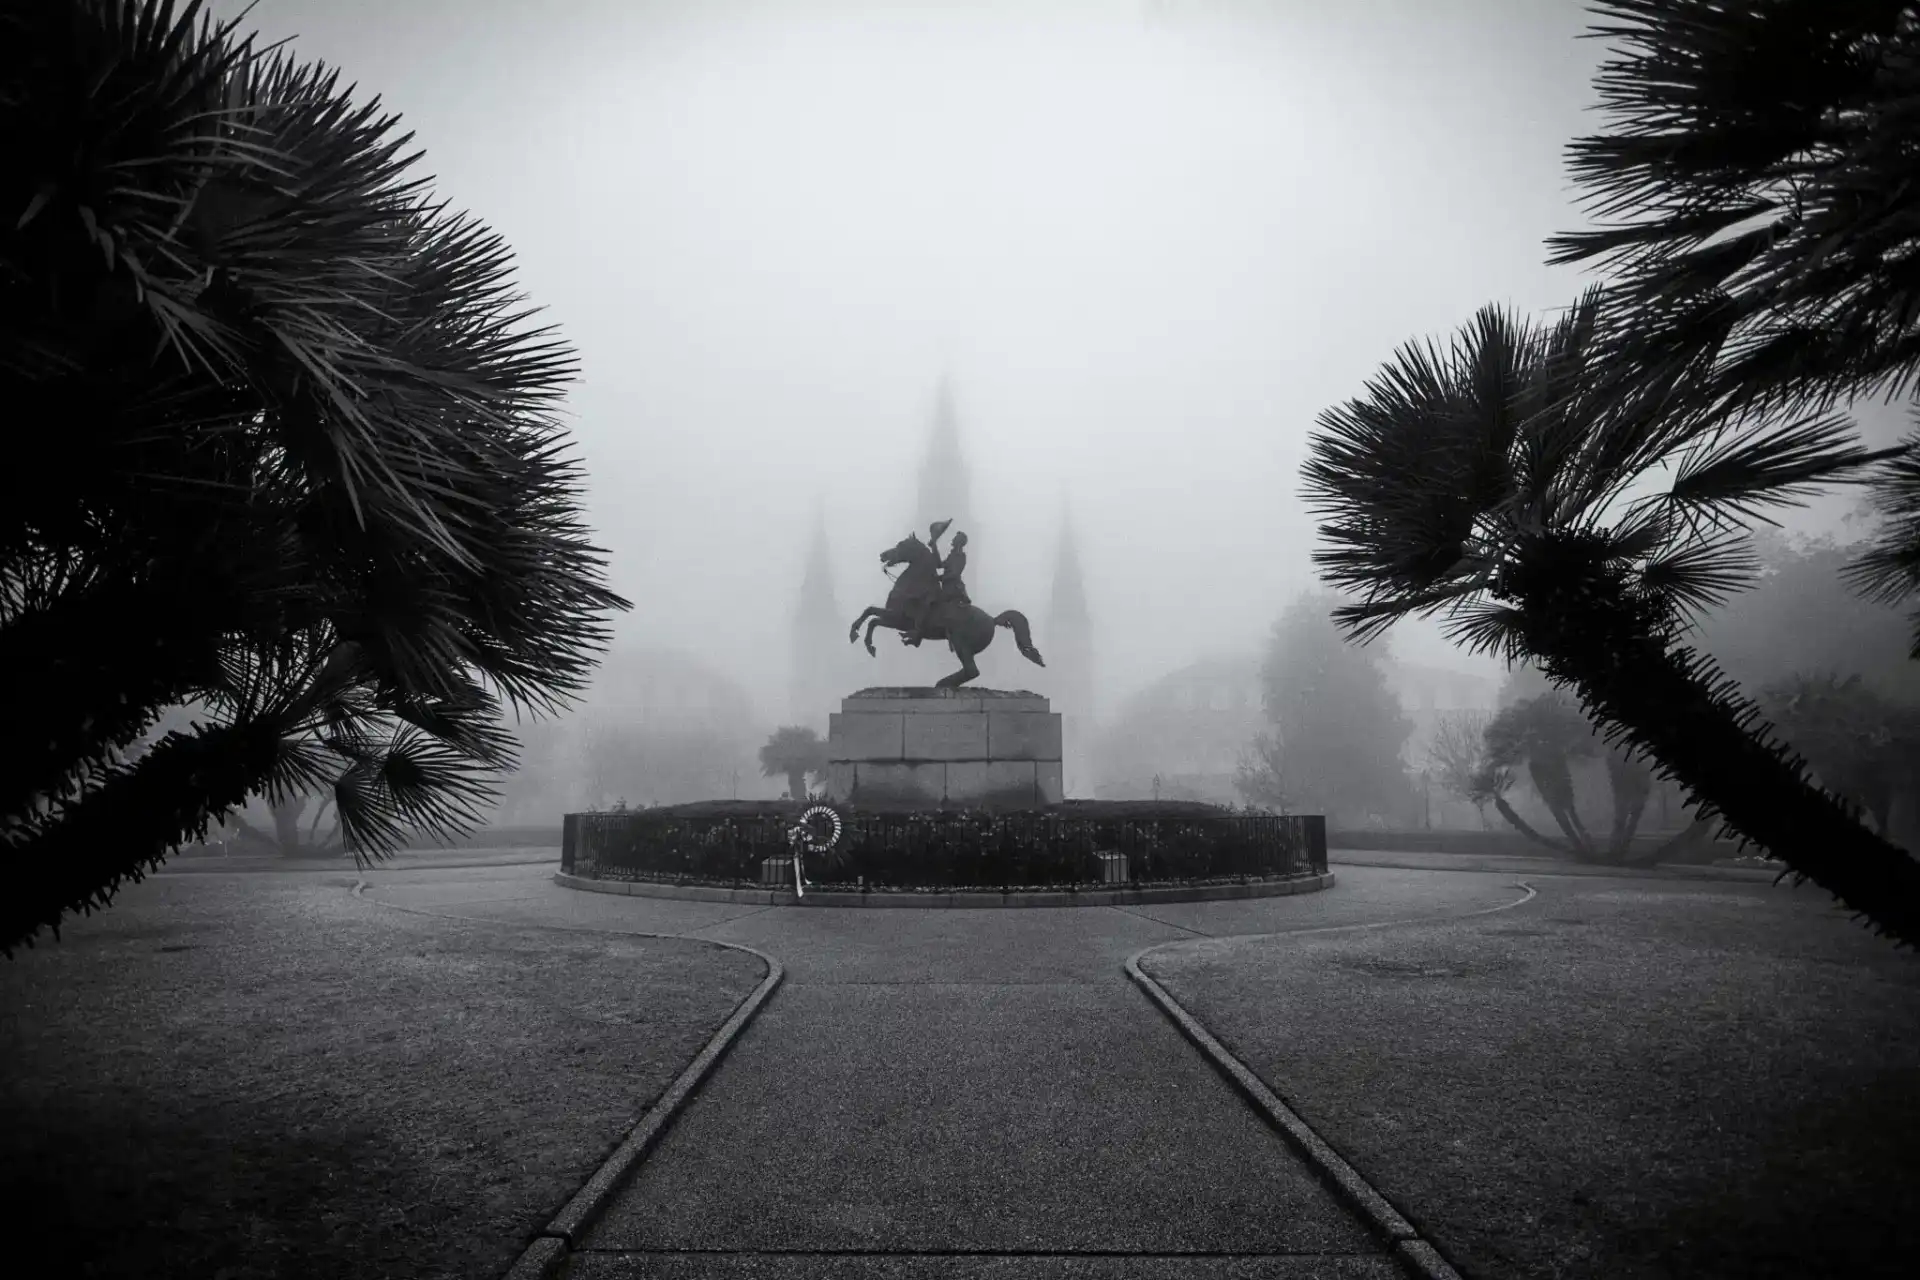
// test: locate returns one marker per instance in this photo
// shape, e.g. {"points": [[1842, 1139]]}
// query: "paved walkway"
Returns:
{"points": [[966, 1093], [1544, 866]]}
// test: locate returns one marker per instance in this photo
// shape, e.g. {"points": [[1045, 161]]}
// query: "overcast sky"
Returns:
{"points": [[1150, 239]]}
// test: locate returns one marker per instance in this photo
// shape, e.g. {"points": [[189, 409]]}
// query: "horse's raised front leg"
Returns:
{"points": [[853, 632], [872, 627]]}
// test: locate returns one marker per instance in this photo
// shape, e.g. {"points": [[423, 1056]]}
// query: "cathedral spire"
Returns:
{"points": [[1070, 655], [816, 583], [819, 665], [945, 486], [1069, 604]]}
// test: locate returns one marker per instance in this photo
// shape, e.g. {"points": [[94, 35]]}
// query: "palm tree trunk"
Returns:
{"points": [[1631, 786], [1693, 833], [1685, 715], [1559, 803], [286, 823], [1521, 825], [315, 840], [129, 825], [1635, 810], [70, 685]]}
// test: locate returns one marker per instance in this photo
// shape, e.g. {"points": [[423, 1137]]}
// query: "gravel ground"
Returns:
{"points": [[1621, 1079], [229, 1077]]}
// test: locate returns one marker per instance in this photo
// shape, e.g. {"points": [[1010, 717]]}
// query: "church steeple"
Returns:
{"points": [[1069, 604], [819, 672], [1069, 637], [945, 485], [816, 586]]}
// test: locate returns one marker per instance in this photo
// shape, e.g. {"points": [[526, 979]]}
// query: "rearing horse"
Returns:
{"points": [[967, 629]]}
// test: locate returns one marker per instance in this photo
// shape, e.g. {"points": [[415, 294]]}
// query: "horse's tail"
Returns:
{"points": [[1021, 636]]}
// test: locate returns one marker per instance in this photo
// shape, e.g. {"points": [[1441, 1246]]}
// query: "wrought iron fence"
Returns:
{"points": [[1039, 850]]}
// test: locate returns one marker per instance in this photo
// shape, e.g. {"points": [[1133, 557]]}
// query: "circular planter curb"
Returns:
{"points": [[964, 899]]}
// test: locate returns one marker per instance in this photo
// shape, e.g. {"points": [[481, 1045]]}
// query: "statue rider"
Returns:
{"points": [[949, 586]]}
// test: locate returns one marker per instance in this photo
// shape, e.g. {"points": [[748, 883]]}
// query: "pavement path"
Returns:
{"points": [[966, 1093]]}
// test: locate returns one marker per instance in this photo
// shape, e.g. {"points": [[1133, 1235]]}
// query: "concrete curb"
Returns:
{"points": [[1551, 866], [1414, 1251], [546, 1257], [1409, 1246], [346, 865], [911, 901]]}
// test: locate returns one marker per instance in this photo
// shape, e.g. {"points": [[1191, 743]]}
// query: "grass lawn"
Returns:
{"points": [[1624, 1079], [231, 1077]]}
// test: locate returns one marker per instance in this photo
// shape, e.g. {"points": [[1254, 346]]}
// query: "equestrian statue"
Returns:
{"points": [[929, 601]]}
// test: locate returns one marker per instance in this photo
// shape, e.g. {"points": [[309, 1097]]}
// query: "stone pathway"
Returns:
{"points": [[965, 1093]]}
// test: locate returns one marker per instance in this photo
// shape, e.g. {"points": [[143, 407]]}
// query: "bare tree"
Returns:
{"points": [[1457, 755], [1261, 776]]}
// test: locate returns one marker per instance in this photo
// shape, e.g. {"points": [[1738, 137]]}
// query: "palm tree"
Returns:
{"points": [[1464, 766], [795, 751], [299, 461], [1547, 733], [1758, 216], [1489, 785], [1482, 483]]}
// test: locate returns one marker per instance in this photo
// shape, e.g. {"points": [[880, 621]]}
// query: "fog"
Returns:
{"points": [[1148, 242]]}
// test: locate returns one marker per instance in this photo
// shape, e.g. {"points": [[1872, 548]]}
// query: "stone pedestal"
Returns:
{"points": [[920, 748]]}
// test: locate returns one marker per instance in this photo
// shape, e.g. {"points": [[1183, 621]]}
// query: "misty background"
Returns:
{"points": [[1148, 241]]}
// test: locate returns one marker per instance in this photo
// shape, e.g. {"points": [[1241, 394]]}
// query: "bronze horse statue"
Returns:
{"points": [[967, 628]]}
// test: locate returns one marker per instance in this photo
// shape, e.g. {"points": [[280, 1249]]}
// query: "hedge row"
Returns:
{"points": [[726, 844]]}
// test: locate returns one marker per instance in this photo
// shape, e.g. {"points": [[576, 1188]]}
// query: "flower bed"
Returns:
{"points": [[725, 843]]}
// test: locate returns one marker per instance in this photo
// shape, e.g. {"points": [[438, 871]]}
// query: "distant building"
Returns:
{"points": [[1192, 727], [1428, 693], [657, 726], [1188, 730]]}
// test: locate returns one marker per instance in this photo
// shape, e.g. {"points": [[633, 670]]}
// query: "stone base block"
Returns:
{"points": [[1023, 735], [883, 785], [866, 735], [945, 748], [1049, 782], [923, 700], [944, 737], [991, 784]]}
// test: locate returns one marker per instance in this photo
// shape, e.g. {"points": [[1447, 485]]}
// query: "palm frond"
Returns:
{"points": [[1744, 469], [1701, 573], [411, 782], [1484, 627], [1414, 477], [1753, 198], [306, 439], [1889, 571]]}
